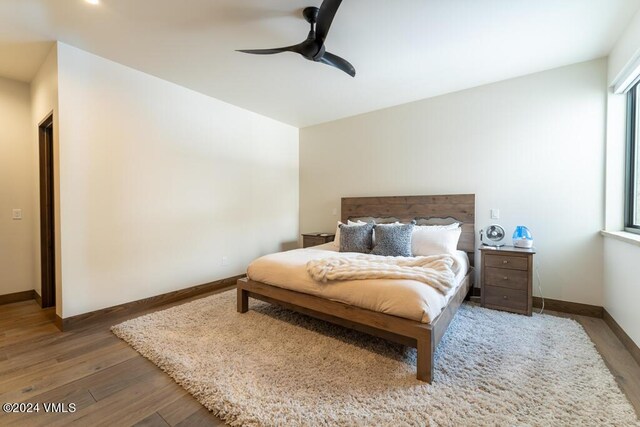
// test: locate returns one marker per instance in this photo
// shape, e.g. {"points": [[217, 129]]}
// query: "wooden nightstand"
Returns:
{"points": [[507, 279], [315, 239]]}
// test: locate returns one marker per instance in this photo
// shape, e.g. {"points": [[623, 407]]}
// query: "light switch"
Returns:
{"points": [[17, 214], [334, 212], [495, 213]]}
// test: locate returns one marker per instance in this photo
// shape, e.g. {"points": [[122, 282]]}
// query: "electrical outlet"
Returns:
{"points": [[225, 260], [17, 214], [495, 213]]}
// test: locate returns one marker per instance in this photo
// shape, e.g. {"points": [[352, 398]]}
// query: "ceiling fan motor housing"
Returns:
{"points": [[310, 14]]}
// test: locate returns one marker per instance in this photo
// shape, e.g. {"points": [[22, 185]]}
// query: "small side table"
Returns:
{"points": [[507, 278], [315, 239]]}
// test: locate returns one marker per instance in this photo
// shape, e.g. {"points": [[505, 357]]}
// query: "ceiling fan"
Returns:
{"points": [[313, 47]]}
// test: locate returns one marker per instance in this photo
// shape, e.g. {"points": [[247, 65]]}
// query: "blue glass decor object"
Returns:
{"points": [[522, 237]]}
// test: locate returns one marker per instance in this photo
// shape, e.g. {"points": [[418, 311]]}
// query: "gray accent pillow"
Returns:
{"points": [[356, 238], [393, 239]]}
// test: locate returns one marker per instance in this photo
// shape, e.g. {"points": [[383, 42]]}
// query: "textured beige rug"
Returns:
{"points": [[274, 367]]}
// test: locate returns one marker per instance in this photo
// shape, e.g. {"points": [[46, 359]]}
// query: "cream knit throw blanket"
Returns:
{"points": [[435, 271]]}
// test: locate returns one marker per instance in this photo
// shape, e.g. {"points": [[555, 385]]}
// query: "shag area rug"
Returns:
{"points": [[273, 367]]}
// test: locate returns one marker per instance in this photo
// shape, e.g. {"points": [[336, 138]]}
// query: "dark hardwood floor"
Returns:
{"points": [[113, 385], [110, 383]]}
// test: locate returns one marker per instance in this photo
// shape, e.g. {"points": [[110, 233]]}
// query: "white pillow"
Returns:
{"points": [[453, 226], [430, 240], [336, 239]]}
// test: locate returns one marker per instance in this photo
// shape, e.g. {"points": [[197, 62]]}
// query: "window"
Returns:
{"points": [[632, 215]]}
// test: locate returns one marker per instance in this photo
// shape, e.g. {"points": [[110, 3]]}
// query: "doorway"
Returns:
{"points": [[47, 225]]}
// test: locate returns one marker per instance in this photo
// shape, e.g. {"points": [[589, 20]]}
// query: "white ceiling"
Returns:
{"points": [[403, 50]]}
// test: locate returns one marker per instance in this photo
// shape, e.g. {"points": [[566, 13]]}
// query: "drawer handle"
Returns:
{"points": [[505, 262], [505, 278], [505, 297]]}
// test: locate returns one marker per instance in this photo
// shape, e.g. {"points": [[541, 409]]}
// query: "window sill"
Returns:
{"points": [[623, 236]]}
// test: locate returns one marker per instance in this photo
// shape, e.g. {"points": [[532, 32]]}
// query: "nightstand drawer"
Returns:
{"points": [[504, 298], [506, 261], [505, 278]]}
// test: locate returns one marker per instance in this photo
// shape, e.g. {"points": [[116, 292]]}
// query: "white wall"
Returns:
{"points": [[44, 101], [625, 50], [532, 147], [621, 259], [17, 179], [158, 183], [621, 279]]}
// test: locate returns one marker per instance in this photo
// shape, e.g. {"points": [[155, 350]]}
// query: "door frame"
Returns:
{"points": [[47, 213]]}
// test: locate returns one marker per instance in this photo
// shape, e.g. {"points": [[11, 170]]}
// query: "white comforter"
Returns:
{"points": [[404, 298]]}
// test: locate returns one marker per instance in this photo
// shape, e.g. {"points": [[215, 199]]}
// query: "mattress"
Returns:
{"points": [[409, 299]]}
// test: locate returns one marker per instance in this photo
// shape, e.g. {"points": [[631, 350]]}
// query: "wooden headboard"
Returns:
{"points": [[461, 207]]}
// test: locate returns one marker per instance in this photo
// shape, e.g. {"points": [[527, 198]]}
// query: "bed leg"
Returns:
{"points": [[243, 300], [425, 358]]}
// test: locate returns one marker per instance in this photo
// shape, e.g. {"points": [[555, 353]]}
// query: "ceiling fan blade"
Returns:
{"points": [[325, 18], [294, 48], [339, 63]]}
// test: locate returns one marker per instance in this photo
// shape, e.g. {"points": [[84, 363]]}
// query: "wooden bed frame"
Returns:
{"points": [[425, 337]]}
